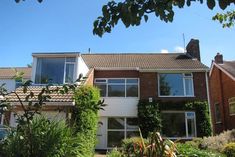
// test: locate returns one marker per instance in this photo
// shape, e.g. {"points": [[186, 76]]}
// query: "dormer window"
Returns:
{"points": [[55, 70]]}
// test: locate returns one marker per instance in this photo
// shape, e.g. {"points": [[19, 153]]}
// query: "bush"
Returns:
{"points": [[115, 153], [149, 117], [48, 139], [85, 117], [196, 142], [218, 142], [133, 146], [187, 150], [229, 149]]}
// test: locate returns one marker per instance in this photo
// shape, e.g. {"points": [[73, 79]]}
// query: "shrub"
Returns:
{"points": [[196, 142], [149, 117], [48, 139], [85, 118], [187, 150], [229, 149], [219, 141], [115, 153], [133, 146]]}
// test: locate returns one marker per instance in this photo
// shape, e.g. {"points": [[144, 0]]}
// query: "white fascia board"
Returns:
{"points": [[117, 68], [174, 70], [75, 54]]}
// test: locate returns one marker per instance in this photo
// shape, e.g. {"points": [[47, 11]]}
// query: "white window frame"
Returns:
{"points": [[65, 65], [125, 130], [186, 124], [184, 78], [125, 84]]}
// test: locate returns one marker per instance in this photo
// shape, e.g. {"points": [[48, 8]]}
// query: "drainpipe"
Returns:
{"points": [[208, 99]]}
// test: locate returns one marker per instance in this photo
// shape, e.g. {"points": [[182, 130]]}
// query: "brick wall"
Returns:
{"points": [[221, 89]]}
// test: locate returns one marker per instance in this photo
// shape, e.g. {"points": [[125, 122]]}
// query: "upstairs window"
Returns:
{"points": [[176, 84], [118, 87], [55, 70], [231, 102]]}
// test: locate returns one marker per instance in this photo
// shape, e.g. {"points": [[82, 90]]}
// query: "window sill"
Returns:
{"points": [[217, 123]]}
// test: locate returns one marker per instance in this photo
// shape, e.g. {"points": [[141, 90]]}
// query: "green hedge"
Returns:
{"points": [[85, 117], [150, 117]]}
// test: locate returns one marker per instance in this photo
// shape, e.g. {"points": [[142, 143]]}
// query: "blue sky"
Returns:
{"points": [[64, 26]]}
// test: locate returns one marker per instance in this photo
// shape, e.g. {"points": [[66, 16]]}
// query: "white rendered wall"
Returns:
{"points": [[119, 107], [51, 115], [82, 67], [10, 84]]}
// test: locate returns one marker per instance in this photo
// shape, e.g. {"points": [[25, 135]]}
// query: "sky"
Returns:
{"points": [[66, 26]]}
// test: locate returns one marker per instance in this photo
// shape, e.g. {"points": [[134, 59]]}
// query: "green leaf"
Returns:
{"points": [[211, 4]]}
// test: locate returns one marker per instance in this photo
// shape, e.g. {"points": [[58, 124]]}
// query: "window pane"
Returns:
{"points": [[132, 90], [232, 108], [71, 59], [189, 86], [116, 123], [116, 90], [132, 123], [217, 113], [173, 124], [100, 81], [116, 81], [102, 88], [171, 84], [130, 134], [115, 138], [191, 128], [132, 81], [50, 70], [69, 73]]}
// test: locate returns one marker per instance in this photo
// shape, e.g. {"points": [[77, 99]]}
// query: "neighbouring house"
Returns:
{"points": [[8, 77], [222, 94], [124, 79]]}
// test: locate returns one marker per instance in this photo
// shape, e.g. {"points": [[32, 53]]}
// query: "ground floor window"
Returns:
{"points": [[178, 124], [217, 113], [120, 128]]}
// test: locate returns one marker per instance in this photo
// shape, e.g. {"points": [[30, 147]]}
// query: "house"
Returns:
{"points": [[222, 93], [124, 79], [8, 78]]}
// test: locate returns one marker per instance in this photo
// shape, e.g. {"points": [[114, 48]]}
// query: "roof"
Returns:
{"points": [[10, 72], [228, 67], [56, 54], [144, 61], [55, 97]]}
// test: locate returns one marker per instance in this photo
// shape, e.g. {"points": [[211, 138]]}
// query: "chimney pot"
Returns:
{"points": [[219, 58]]}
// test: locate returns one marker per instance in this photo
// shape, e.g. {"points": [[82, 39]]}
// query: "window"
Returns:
{"points": [[118, 87], [178, 124], [176, 84], [18, 83], [231, 102], [120, 128], [217, 113], [55, 70]]}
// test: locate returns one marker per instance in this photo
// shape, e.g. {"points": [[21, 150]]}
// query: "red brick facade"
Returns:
{"points": [[149, 84], [221, 89]]}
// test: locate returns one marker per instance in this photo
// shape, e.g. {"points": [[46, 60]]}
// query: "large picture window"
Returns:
{"points": [[118, 87], [120, 128], [176, 84], [178, 124], [55, 70]]}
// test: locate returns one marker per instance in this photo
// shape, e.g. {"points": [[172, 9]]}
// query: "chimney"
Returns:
{"points": [[219, 58], [193, 49]]}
